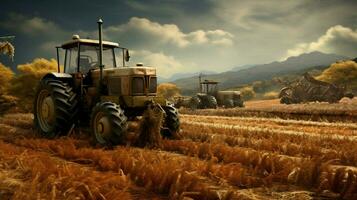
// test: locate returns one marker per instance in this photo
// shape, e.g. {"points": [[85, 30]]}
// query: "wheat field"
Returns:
{"points": [[221, 155]]}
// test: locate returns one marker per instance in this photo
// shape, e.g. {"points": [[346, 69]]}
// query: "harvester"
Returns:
{"points": [[94, 90], [309, 89]]}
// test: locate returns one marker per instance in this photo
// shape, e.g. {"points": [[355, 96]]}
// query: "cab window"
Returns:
{"points": [[71, 60], [88, 58]]}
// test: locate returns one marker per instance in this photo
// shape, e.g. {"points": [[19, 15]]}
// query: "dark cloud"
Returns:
{"points": [[184, 34]]}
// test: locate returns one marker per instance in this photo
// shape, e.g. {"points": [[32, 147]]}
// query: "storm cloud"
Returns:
{"points": [[184, 35]]}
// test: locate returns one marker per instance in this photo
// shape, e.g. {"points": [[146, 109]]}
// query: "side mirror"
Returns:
{"points": [[126, 55]]}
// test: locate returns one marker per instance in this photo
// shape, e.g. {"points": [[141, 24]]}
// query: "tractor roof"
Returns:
{"points": [[75, 41], [209, 82]]}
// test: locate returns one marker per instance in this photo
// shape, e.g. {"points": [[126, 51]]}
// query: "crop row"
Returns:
{"points": [[311, 173], [293, 145], [27, 174], [298, 125], [331, 113]]}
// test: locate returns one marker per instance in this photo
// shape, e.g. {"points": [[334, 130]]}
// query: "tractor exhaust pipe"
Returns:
{"points": [[101, 66]]}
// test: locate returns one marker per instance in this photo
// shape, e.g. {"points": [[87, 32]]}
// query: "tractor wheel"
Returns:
{"points": [[108, 124], [228, 103], [194, 103], [286, 91], [286, 100], [172, 122], [55, 108], [239, 103], [211, 102]]}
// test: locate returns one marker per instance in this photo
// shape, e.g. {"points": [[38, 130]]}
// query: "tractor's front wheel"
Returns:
{"points": [[194, 103], [108, 124], [55, 108], [172, 122], [228, 103]]}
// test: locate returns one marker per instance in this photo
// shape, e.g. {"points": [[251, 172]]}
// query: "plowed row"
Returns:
{"points": [[217, 158]]}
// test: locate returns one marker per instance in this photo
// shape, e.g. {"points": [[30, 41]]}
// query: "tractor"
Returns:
{"points": [[95, 91], [210, 97]]}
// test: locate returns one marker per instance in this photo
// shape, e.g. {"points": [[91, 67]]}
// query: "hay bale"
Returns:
{"points": [[150, 128]]}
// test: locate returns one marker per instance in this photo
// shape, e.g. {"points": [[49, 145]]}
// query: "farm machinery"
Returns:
{"points": [[210, 97], [308, 89], [94, 90]]}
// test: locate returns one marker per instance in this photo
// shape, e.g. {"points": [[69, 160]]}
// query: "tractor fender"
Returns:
{"points": [[67, 78]]}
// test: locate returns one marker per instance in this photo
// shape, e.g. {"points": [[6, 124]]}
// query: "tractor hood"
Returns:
{"points": [[126, 71]]}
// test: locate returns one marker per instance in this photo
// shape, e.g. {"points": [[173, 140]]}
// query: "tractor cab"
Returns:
{"points": [[209, 87], [83, 55], [82, 60]]}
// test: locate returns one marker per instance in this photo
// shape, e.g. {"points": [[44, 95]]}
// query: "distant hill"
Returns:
{"points": [[242, 67], [231, 79], [177, 76]]}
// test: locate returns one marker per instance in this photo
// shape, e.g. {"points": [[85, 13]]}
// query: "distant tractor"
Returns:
{"points": [[94, 90], [308, 89], [210, 97]]}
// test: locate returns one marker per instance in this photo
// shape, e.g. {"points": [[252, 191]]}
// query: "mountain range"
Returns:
{"points": [[247, 74], [177, 76]]}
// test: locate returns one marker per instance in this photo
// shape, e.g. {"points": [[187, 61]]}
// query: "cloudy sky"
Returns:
{"points": [[185, 35]]}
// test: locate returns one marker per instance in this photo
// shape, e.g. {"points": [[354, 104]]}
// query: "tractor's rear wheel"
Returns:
{"points": [[211, 102], [286, 95], [172, 122], [55, 108], [239, 103], [108, 124], [286, 100]]}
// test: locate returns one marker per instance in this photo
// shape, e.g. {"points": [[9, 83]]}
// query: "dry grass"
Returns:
{"points": [[343, 111], [149, 128], [216, 158]]}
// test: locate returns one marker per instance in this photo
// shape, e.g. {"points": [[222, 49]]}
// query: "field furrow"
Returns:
{"points": [[216, 158], [348, 129]]}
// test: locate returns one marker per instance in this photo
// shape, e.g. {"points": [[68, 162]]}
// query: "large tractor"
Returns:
{"points": [[94, 90], [210, 97], [308, 89]]}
